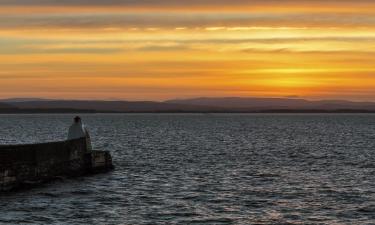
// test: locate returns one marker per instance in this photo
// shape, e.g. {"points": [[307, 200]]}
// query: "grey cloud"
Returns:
{"points": [[20, 49], [170, 2], [159, 48], [171, 20], [47, 46], [20, 42]]}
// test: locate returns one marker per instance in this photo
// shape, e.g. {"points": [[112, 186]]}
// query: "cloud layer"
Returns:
{"points": [[159, 49], [178, 2]]}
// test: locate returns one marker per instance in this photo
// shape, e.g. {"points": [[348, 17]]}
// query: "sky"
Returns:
{"points": [[166, 49]]}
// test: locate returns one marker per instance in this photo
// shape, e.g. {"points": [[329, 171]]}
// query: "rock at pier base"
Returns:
{"points": [[100, 161]]}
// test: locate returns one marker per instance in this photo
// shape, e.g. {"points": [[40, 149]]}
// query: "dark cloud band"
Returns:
{"points": [[172, 20], [172, 2]]}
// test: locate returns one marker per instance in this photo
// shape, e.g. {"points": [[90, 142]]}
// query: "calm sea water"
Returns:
{"points": [[206, 169]]}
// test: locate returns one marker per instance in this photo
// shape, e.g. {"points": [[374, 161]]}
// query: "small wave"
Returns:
{"points": [[370, 209], [81, 192], [210, 221], [50, 194]]}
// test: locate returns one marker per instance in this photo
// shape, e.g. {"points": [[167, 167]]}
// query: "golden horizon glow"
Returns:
{"points": [[310, 49]]}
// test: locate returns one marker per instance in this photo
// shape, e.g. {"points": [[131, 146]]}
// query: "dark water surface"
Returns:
{"points": [[206, 169]]}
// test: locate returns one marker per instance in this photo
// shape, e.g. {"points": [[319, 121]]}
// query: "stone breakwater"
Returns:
{"points": [[28, 165]]}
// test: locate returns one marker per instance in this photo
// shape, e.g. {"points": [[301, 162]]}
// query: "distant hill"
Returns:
{"points": [[6, 106], [23, 100], [230, 104], [256, 104], [110, 106]]}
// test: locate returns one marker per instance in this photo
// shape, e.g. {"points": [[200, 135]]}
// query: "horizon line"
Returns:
{"points": [[179, 99]]}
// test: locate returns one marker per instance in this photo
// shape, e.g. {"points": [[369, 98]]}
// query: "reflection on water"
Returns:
{"points": [[206, 169]]}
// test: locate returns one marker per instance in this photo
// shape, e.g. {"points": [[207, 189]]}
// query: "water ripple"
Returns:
{"points": [[206, 169]]}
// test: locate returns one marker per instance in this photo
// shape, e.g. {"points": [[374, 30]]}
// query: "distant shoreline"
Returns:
{"points": [[199, 105], [276, 111]]}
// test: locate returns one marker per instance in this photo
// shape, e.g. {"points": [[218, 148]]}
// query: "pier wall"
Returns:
{"points": [[23, 165]]}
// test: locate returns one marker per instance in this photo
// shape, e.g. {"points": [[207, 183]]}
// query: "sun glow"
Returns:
{"points": [[144, 51]]}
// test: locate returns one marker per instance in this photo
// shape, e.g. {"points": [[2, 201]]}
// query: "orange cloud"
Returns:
{"points": [[312, 49]]}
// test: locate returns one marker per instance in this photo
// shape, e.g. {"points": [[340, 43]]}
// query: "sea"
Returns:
{"points": [[206, 169]]}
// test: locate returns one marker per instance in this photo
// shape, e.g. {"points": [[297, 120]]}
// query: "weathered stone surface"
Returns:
{"points": [[32, 164]]}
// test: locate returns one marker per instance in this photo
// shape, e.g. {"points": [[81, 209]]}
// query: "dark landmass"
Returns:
{"points": [[260, 104], [43, 111], [109, 106], [4, 106], [197, 105], [12, 100]]}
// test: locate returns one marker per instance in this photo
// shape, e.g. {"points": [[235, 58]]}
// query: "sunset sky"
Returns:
{"points": [[163, 49]]}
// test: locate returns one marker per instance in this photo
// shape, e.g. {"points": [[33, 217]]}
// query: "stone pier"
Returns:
{"points": [[28, 165]]}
